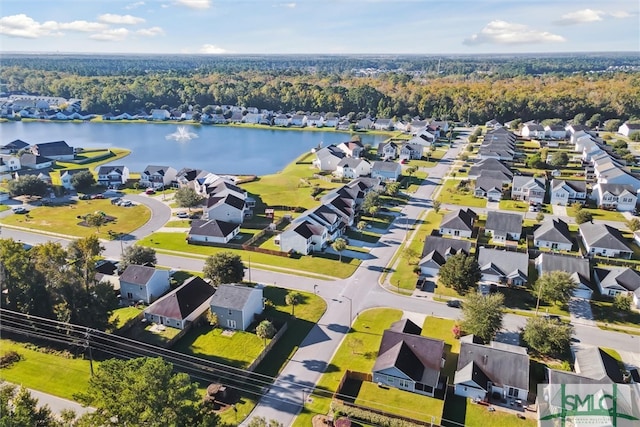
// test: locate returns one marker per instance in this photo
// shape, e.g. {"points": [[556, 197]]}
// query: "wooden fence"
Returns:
{"points": [[268, 347]]}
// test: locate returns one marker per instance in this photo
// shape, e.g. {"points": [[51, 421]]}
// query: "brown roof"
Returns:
{"points": [[181, 302]]}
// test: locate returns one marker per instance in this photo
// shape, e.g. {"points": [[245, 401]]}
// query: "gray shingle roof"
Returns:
{"points": [[385, 166], [461, 219], [603, 236], [621, 276], [554, 230], [182, 301], [504, 222], [572, 265], [577, 186], [137, 274], [503, 263], [232, 296], [598, 365], [501, 366], [213, 228], [445, 246]]}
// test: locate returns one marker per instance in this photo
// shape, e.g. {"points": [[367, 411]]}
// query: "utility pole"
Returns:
{"points": [[250, 269], [88, 344]]}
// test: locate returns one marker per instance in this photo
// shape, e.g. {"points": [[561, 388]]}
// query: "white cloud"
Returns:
{"points": [[196, 4], [150, 32], [212, 49], [502, 32], [26, 27], [289, 5], [134, 5], [589, 15], [115, 34], [111, 18]]}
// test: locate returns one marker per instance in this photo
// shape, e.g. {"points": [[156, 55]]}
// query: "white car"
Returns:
{"points": [[182, 215]]}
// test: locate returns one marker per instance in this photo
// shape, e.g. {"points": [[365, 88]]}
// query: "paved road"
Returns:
{"points": [[59, 404]]}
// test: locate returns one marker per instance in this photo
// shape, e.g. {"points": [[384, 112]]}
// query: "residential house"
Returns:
{"points": [[298, 120], [160, 114], [441, 125], [142, 283], [236, 117], [303, 237], [581, 139], [425, 137], [387, 150], [410, 152], [66, 175], [437, 250], [408, 361], [555, 132], [281, 120], [612, 281], [491, 168], [237, 306], [503, 267], [383, 124], [566, 192], [353, 148], [553, 234], [503, 226], [115, 176], [229, 208], [57, 150], [315, 121], [533, 130], [493, 124], [573, 129], [604, 240], [620, 197], [609, 173], [328, 218], [353, 168], [343, 204], [9, 163], [253, 118], [158, 176], [596, 364], [488, 186], [458, 223], [386, 171], [577, 267], [327, 158], [212, 231], [417, 125], [183, 305], [627, 128], [528, 188], [364, 124], [14, 147], [330, 122], [343, 125], [489, 371], [31, 161]]}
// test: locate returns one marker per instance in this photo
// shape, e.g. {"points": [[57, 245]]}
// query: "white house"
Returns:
{"points": [[529, 188], [553, 234], [157, 176], [533, 130], [614, 196], [458, 223], [577, 267], [315, 121], [299, 120], [229, 208], [212, 231], [386, 171], [437, 250], [503, 226], [410, 152], [281, 120], [113, 175], [327, 158], [612, 281], [387, 150], [303, 237], [503, 267], [555, 131], [383, 124], [604, 240], [9, 163], [160, 114], [353, 148], [628, 128], [353, 168], [57, 150], [141, 283], [236, 306], [566, 192]]}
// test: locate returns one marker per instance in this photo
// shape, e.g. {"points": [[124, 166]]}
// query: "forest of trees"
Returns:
{"points": [[477, 89]]}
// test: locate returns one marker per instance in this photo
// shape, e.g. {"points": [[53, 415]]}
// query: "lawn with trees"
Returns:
{"points": [[482, 315]]}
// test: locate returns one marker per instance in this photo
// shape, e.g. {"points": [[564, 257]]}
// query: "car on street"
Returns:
{"points": [[20, 210], [455, 303], [117, 201], [150, 191], [182, 215], [126, 203], [98, 196], [84, 197]]}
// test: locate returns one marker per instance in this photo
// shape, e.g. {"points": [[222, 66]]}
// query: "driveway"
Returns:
{"points": [[580, 311], [493, 206], [559, 210]]}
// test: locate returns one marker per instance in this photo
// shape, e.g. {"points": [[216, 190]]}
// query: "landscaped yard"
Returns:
{"points": [[46, 372], [122, 315], [64, 219], [603, 311], [600, 214], [449, 194], [316, 264]]}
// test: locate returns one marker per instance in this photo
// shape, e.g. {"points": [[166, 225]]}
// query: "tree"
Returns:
{"points": [[583, 216], [339, 245], [460, 272], [83, 254], [373, 210], [361, 226], [392, 189], [622, 302], [473, 139], [534, 161], [117, 387], [264, 330], [97, 220], [28, 185], [576, 206], [482, 315], [540, 217], [262, 422], [595, 120], [212, 318], [547, 337], [19, 408], [292, 299], [559, 159], [411, 170], [224, 267], [612, 125], [371, 199], [138, 255], [579, 119], [436, 206], [82, 181], [186, 197], [633, 224], [635, 136], [554, 287]]}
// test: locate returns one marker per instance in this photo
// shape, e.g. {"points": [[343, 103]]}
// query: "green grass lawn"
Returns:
{"points": [[122, 315], [46, 372], [90, 159], [514, 205], [312, 264], [439, 328], [603, 311], [64, 219], [404, 270], [357, 352], [180, 223], [450, 195], [460, 411], [4, 208], [524, 299], [599, 214]]}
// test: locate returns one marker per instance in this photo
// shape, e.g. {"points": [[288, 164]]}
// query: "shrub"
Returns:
{"points": [[622, 302], [9, 359], [369, 417]]}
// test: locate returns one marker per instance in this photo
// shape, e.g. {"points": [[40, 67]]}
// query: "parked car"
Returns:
{"points": [[126, 203], [84, 197], [150, 191], [20, 210], [116, 201], [98, 196], [553, 317], [455, 303], [182, 215]]}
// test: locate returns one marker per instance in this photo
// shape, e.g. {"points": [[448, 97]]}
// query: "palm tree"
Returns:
{"points": [[339, 245]]}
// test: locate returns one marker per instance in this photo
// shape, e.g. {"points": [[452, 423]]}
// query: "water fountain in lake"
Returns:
{"points": [[182, 134]]}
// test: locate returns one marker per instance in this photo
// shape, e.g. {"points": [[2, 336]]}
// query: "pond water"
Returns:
{"points": [[219, 149]]}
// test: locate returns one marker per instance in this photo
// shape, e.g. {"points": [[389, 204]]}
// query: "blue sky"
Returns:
{"points": [[319, 26]]}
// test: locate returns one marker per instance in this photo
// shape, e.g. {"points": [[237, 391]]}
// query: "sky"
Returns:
{"points": [[319, 26]]}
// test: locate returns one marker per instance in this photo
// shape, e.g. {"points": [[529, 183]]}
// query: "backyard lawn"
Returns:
{"points": [[122, 315], [311, 264], [46, 372], [449, 194], [460, 411], [64, 219]]}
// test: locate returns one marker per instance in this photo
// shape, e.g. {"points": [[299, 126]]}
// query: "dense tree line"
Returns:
{"points": [[477, 97], [58, 283]]}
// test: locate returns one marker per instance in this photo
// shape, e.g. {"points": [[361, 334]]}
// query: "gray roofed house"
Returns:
{"points": [[113, 175], [604, 240], [577, 267], [503, 267], [458, 223], [485, 370], [529, 188], [142, 283], [14, 146], [212, 231], [229, 208], [618, 280], [503, 226], [553, 234], [594, 363], [409, 361], [386, 171], [437, 250], [565, 192], [491, 165], [488, 187], [157, 176], [406, 326], [30, 160], [387, 150], [236, 306], [57, 150], [327, 158]]}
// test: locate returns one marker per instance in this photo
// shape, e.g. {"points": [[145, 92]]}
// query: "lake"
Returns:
{"points": [[219, 149]]}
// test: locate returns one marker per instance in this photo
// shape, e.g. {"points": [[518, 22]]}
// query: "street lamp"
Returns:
{"points": [[350, 309]]}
